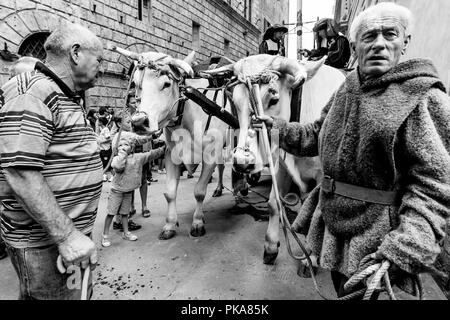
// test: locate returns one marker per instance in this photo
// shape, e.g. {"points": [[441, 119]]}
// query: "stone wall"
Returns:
{"points": [[166, 26]]}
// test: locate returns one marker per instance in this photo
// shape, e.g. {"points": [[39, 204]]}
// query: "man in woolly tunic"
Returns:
{"points": [[384, 142]]}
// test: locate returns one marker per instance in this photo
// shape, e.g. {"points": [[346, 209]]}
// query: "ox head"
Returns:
{"points": [[277, 77], [157, 78]]}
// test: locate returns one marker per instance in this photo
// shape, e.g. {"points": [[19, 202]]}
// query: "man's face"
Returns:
{"points": [[278, 35], [379, 46], [87, 69], [126, 123], [132, 104]]}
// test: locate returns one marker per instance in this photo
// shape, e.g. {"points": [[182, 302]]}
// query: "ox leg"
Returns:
{"points": [[198, 223], [272, 242], [173, 178], [219, 189]]}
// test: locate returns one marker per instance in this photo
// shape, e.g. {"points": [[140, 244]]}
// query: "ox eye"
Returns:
{"points": [[167, 85]]}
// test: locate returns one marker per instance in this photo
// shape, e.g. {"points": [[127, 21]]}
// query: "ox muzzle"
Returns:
{"points": [[142, 125], [244, 161]]}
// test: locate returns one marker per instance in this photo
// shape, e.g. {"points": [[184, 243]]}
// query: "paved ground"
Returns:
{"points": [[225, 264]]}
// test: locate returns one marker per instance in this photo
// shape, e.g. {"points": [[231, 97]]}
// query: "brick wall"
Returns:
{"points": [[166, 26]]}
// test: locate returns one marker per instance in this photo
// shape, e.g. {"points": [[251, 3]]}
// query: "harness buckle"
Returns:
{"points": [[328, 185]]}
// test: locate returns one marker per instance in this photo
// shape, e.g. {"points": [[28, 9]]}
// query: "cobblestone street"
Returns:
{"points": [[225, 264]]}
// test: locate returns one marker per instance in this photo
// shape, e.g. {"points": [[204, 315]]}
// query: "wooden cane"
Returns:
{"points": [[85, 282]]}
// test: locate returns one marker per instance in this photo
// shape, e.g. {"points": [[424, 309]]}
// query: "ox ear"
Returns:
{"points": [[313, 67], [190, 59]]}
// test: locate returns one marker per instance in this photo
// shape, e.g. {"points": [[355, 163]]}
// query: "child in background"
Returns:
{"points": [[104, 142], [128, 177]]}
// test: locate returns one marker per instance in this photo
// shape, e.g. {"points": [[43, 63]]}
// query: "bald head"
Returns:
{"points": [[76, 54], [382, 14], [62, 40]]}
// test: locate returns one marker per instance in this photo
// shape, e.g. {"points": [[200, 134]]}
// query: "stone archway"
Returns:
{"points": [[19, 25], [112, 86], [33, 46]]}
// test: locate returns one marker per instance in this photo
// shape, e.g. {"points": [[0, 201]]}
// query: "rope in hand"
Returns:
{"points": [[379, 271]]}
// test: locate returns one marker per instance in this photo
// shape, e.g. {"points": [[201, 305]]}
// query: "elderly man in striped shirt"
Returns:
{"points": [[50, 165]]}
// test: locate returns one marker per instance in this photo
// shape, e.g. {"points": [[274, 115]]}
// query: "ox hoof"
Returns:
{"points": [[198, 232], [269, 258], [218, 193], [244, 192], [167, 234]]}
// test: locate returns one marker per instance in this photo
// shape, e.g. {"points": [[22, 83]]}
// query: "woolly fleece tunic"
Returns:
{"points": [[391, 134]]}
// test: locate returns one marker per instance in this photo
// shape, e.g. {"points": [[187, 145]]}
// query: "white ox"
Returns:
{"points": [[249, 157], [158, 79]]}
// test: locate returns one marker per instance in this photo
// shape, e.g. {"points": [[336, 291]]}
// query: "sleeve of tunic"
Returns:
{"points": [[301, 140], [152, 155], [424, 144]]}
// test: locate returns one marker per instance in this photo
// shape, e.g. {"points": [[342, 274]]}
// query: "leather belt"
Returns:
{"points": [[331, 186]]}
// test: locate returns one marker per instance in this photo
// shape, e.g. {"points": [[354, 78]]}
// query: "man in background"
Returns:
{"points": [[273, 41]]}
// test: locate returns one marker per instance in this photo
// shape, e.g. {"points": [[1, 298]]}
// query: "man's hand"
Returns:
{"points": [[257, 122], [78, 250]]}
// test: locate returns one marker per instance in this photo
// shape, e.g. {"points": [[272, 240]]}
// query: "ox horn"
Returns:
{"points": [[313, 67], [224, 69], [183, 65], [291, 67], [129, 54], [190, 58]]}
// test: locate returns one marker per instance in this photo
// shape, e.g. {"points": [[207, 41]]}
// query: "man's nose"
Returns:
{"points": [[379, 42]]}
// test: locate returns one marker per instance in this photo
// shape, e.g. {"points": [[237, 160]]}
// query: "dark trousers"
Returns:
{"points": [[3, 253], [105, 155], [39, 277]]}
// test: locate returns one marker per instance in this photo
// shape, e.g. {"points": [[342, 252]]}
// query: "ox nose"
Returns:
{"points": [[244, 161]]}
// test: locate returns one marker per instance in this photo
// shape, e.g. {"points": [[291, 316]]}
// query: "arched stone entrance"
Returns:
{"points": [[24, 30], [33, 46]]}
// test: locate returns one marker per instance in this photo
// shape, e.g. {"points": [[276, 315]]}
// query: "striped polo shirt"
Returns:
{"points": [[43, 127]]}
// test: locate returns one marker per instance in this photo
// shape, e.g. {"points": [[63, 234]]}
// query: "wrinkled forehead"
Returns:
{"points": [[381, 22]]}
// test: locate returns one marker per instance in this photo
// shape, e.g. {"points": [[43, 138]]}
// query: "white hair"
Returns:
{"points": [[380, 10], [68, 34]]}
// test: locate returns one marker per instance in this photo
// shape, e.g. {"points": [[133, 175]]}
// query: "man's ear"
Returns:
{"points": [[406, 44], [74, 53]]}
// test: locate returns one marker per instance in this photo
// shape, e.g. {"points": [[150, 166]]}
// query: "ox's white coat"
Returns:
{"points": [[322, 82]]}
